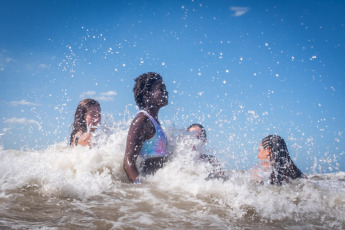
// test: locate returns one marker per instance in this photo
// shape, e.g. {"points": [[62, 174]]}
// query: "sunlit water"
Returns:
{"points": [[83, 188]]}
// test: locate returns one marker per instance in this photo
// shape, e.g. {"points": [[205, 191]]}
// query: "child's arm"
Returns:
{"points": [[136, 136]]}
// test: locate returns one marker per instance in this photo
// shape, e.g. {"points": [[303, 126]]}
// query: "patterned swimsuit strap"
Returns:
{"points": [[77, 139], [150, 117]]}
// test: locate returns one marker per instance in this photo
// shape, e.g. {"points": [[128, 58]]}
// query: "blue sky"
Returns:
{"points": [[244, 69]]}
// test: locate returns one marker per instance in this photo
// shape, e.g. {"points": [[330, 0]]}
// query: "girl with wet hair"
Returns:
{"points": [[274, 151], [87, 117], [146, 139]]}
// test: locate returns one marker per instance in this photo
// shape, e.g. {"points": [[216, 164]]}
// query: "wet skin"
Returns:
{"points": [[142, 130], [93, 119], [264, 156]]}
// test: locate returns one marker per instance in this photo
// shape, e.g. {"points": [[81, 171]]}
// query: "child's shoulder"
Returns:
{"points": [[82, 139], [142, 121]]}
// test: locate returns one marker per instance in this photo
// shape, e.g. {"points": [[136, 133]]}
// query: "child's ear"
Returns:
{"points": [[268, 152]]}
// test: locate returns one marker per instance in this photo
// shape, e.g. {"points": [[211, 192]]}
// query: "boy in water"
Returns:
{"points": [[200, 133]]}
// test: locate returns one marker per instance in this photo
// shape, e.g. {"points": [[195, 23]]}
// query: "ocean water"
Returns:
{"points": [[81, 188]]}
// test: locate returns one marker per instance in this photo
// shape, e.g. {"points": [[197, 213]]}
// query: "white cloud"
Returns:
{"points": [[103, 96], [87, 94], [22, 102], [22, 121], [239, 11], [109, 93]]}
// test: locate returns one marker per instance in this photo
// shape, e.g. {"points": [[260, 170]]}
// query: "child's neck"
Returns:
{"points": [[153, 112]]}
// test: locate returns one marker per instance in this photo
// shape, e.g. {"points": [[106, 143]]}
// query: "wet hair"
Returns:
{"points": [[283, 166], [202, 135], [143, 84], [79, 123]]}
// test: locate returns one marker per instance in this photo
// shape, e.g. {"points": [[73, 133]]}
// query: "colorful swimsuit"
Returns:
{"points": [[157, 145], [77, 139]]}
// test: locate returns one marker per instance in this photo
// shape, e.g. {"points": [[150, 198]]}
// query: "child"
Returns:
{"points": [[274, 156], [86, 120], [199, 132], [216, 172], [145, 136]]}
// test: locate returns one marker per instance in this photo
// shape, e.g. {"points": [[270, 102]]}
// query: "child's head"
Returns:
{"points": [[87, 117], [144, 85], [276, 152], [276, 147], [199, 131]]}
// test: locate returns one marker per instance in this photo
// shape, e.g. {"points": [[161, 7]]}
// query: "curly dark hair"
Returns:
{"points": [[143, 84], [283, 166], [79, 123]]}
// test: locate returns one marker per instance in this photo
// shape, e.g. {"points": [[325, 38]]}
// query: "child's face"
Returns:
{"points": [[93, 117], [159, 94], [264, 155], [197, 132]]}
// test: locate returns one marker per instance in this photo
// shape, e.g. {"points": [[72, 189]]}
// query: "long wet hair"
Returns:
{"points": [[79, 123], [143, 84], [284, 168], [202, 135]]}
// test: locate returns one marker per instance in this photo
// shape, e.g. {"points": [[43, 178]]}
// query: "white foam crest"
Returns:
{"points": [[81, 172], [63, 171], [243, 195], [299, 200]]}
